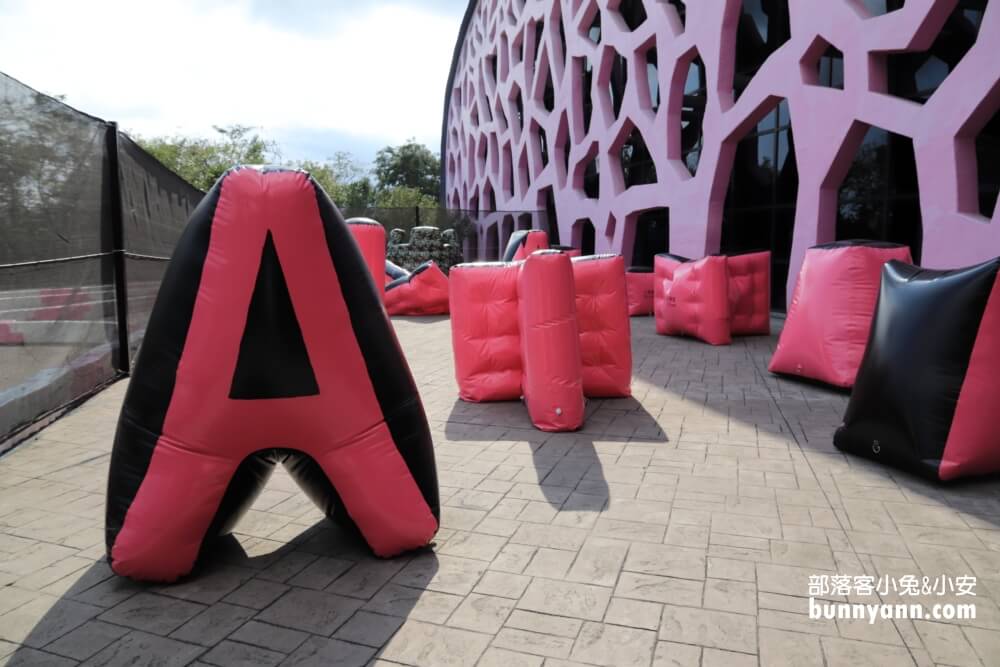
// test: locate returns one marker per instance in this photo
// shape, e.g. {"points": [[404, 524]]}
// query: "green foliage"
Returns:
{"points": [[410, 165], [404, 176], [202, 161]]}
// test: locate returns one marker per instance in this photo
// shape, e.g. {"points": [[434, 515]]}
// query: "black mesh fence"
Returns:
{"points": [[87, 222]]}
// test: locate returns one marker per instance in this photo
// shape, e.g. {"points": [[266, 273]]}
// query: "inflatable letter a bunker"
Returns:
{"points": [[267, 344]]}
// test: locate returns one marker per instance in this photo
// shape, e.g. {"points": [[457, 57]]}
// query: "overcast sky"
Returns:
{"points": [[318, 76]]}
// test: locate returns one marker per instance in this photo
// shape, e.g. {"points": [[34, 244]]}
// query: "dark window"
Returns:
{"points": [[831, 68], [585, 232], [551, 219], [617, 82], [539, 32], [493, 243], [879, 7], [878, 199], [693, 114], [652, 236], [915, 76], [637, 163], [632, 12], [592, 179], [594, 32], [549, 93], [543, 147], [988, 165], [681, 11], [764, 26], [491, 63], [653, 78], [586, 81], [760, 204], [493, 200], [519, 108]]}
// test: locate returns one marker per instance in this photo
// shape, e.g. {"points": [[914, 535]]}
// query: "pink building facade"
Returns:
{"points": [[641, 126]]}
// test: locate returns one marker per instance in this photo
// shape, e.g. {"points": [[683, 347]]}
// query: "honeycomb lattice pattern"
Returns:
{"points": [[546, 94]]}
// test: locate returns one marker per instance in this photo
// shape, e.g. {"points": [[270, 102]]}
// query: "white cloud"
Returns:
{"points": [[182, 66]]}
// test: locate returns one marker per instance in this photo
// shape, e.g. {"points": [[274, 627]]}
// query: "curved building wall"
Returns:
{"points": [[715, 125]]}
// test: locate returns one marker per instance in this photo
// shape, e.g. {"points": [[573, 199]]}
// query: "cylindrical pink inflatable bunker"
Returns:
{"points": [[605, 330], [370, 236], [550, 342], [749, 293], [696, 301], [484, 330], [423, 292], [830, 316], [524, 242], [639, 282]]}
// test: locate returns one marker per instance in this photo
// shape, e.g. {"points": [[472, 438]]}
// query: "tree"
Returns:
{"points": [[410, 165], [404, 197], [202, 161]]}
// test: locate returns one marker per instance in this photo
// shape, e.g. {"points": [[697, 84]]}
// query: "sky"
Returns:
{"points": [[317, 76]]}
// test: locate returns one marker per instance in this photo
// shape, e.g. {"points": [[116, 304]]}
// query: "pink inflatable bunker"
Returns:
{"points": [[639, 281], [423, 292], [828, 321], [714, 298], [524, 242], [548, 328], [370, 237]]}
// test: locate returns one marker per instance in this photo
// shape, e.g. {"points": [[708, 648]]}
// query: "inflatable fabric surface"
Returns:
{"points": [[370, 236], [697, 301], [568, 249], [423, 292], [394, 272], [267, 343], [550, 342], [639, 283], [826, 329], [664, 266], [605, 330], [749, 293], [484, 330], [524, 242], [925, 399]]}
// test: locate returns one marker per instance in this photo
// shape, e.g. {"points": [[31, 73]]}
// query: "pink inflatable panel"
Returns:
{"points": [[484, 330], [749, 293], [605, 330], [697, 301], [524, 242], [550, 342], [639, 283], [423, 292], [370, 236], [664, 266], [828, 321]]}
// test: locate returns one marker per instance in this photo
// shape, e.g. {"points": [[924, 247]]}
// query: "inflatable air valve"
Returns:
{"points": [[423, 292], [828, 320], [925, 397], [605, 329], [484, 330], [370, 236], [267, 343], [550, 342], [524, 242]]}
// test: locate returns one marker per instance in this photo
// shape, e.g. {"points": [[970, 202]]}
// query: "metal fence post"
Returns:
{"points": [[416, 210], [118, 247]]}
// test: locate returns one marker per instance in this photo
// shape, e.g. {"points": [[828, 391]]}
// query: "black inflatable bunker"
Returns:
{"points": [[926, 397], [268, 343]]}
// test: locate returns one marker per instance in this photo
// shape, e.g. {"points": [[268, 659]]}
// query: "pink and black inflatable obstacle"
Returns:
{"points": [[639, 282], [267, 344], [370, 236], [423, 292], [524, 242], [713, 298], [551, 328], [826, 329], [926, 398]]}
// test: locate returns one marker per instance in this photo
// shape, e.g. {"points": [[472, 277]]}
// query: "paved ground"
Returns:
{"points": [[679, 528]]}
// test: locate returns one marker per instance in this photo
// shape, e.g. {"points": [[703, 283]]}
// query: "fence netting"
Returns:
{"points": [[83, 211]]}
